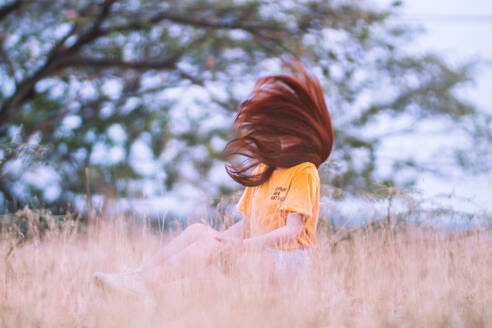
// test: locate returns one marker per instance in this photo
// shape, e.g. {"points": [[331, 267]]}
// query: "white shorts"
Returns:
{"points": [[293, 265]]}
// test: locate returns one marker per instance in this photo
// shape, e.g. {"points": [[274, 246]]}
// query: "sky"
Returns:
{"points": [[459, 31]]}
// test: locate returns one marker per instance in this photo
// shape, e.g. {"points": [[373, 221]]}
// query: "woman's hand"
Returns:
{"points": [[230, 246]]}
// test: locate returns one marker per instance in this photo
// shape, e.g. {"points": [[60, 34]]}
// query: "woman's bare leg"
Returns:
{"points": [[189, 236], [192, 259], [191, 251]]}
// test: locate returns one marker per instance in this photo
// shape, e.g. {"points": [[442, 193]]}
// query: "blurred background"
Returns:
{"points": [[124, 106]]}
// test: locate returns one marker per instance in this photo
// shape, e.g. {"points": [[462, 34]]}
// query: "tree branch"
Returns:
{"points": [[107, 63], [25, 90], [58, 47], [7, 9], [197, 22], [95, 31]]}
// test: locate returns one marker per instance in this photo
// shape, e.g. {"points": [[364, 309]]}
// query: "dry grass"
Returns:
{"points": [[373, 279]]}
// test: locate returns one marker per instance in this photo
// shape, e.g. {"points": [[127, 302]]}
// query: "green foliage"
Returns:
{"points": [[74, 72]]}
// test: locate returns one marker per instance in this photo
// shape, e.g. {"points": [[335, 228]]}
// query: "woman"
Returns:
{"points": [[285, 134]]}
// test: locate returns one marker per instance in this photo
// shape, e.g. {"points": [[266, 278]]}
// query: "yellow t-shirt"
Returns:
{"points": [[294, 189]]}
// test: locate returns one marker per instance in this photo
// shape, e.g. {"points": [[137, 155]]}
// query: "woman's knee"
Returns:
{"points": [[208, 244], [198, 230]]}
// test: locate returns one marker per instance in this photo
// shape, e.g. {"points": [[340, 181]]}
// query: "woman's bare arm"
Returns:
{"points": [[238, 230], [289, 232]]}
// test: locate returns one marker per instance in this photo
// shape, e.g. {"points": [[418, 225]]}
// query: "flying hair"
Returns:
{"points": [[283, 123]]}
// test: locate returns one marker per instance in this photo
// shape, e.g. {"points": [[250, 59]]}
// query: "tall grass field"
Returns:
{"points": [[411, 277]]}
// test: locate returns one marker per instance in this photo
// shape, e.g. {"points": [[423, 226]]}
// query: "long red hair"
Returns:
{"points": [[283, 123]]}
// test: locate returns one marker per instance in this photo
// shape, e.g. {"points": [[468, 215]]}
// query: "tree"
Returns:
{"points": [[85, 79]]}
